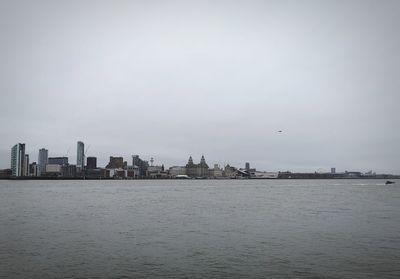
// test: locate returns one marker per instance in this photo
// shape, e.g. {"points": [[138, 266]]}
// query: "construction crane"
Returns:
{"points": [[87, 148], [66, 154]]}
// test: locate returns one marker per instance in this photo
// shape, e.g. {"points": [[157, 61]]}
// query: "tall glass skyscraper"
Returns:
{"points": [[80, 156], [42, 160], [18, 159]]}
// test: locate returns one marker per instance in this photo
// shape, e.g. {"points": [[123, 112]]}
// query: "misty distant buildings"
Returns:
{"points": [[42, 159], [117, 168], [18, 159], [59, 167]]}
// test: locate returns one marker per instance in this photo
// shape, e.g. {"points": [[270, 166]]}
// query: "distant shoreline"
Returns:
{"points": [[117, 179]]}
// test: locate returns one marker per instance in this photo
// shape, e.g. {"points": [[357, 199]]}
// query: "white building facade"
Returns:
{"points": [[18, 159]]}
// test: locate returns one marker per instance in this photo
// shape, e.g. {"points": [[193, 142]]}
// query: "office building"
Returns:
{"points": [[17, 159], [68, 171], [142, 164], [91, 163], [53, 170], [26, 165], [80, 156], [34, 169], [62, 161], [42, 159]]}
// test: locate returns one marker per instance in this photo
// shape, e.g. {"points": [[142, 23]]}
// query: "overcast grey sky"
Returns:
{"points": [[169, 79]]}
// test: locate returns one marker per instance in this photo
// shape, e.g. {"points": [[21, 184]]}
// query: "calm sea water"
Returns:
{"points": [[200, 229]]}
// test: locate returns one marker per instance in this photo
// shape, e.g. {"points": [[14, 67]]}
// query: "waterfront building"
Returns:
{"points": [[247, 167], [34, 169], [142, 164], [18, 159], [68, 171], [333, 170], [369, 174], [177, 170], [53, 169], [197, 170], [80, 156], [216, 172], [97, 173], [58, 161], [247, 171], [115, 163], [42, 160], [155, 168], [26, 165], [117, 173], [156, 172], [230, 171], [265, 174], [91, 163], [133, 172], [5, 173], [352, 174], [117, 168]]}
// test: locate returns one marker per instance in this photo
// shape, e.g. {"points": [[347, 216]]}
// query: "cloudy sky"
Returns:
{"points": [[169, 79]]}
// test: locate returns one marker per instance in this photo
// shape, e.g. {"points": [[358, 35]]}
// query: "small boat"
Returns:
{"points": [[389, 182]]}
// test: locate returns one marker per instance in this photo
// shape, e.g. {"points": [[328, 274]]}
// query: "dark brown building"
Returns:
{"points": [[115, 163], [91, 163]]}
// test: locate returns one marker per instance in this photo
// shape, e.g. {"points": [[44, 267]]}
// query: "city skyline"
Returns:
{"points": [[43, 158], [139, 168], [219, 78]]}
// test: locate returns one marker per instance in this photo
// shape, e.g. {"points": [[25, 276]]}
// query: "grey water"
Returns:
{"points": [[200, 229]]}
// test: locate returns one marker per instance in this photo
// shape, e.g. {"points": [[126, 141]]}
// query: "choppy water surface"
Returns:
{"points": [[198, 229]]}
